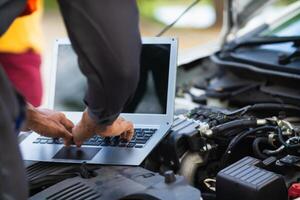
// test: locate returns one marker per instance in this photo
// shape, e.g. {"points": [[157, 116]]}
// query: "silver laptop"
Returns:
{"points": [[151, 109]]}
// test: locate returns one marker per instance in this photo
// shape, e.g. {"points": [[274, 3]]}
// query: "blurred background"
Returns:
{"points": [[200, 26]]}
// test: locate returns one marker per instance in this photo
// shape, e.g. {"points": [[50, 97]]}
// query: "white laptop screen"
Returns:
{"points": [[151, 94]]}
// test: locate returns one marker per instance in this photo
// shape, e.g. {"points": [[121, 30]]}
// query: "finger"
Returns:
{"points": [[126, 136], [123, 136], [66, 122], [117, 128], [129, 133], [78, 144], [80, 134], [67, 142], [65, 134]]}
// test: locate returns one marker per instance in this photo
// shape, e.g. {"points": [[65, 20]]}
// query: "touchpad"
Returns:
{"points": [[74, 153]]}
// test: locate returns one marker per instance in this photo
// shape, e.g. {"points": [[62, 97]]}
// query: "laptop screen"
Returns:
{"points": [[149, 98]]}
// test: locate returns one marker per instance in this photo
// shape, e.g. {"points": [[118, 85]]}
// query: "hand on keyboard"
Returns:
{"points": [[87, 128], [49, 123], [140, 138]]}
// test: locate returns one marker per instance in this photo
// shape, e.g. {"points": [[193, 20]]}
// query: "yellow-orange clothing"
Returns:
{"points": [[24, 34]]}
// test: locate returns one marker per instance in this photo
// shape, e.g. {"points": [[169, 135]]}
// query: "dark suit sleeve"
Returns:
{"points": [[9, 11], [105, 35]]}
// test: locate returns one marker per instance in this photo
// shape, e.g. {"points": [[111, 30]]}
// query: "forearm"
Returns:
{"points": [[31, 115], [105, 36]]}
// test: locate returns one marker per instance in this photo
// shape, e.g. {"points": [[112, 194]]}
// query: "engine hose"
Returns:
{"points": [[242, 123], [270, 107], [237, 139], [256, 147], [273, 152], [275, 107]]}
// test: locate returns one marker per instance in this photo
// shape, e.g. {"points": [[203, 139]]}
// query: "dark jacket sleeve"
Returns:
{"points": [[105, 35], [9, 11]]}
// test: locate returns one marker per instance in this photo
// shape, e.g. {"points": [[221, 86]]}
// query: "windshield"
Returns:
{"points": [[289, 28]]}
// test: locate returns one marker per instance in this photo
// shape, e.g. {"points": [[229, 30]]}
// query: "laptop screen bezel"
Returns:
{"points": [[136, 117]]}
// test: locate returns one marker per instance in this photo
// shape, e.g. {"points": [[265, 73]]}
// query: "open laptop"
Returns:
{"points": [[151, 109]]}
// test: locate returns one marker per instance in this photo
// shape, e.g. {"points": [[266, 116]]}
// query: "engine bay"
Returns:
{"points": [[240, 117]]}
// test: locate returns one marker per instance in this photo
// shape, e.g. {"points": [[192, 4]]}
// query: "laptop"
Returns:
{"points": [[151, 108]]}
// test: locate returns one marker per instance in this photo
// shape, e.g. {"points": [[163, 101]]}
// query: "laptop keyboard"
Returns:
{"points": [[140, 138]]}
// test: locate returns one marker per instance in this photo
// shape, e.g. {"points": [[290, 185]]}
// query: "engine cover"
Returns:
{"points": [[245, 180], [112, 183]]}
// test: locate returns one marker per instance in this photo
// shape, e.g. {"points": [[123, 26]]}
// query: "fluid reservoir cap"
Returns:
{"points": [[169, 177], [294, 190]]}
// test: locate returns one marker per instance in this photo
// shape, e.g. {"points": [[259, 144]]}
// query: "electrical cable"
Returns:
{"points": [[177, 19]]}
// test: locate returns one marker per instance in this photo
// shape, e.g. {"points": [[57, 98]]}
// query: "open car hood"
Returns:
{"points": [[240, 12], [236, 14]]}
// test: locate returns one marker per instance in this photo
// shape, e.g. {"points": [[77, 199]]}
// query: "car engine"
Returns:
{"points": [[239, 142]]}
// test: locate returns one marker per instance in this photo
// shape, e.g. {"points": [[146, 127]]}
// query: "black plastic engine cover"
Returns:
{"points": [[245, 180], [112, 183]]}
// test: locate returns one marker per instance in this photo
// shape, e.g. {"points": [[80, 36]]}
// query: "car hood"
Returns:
{"points": [[240, 12]]}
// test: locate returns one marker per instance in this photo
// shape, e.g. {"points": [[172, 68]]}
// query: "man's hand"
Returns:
{"points": [[87, 128], [49, 123]]}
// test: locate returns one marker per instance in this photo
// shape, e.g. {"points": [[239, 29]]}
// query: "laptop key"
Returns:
{"points": [[113, 144], [122, 145], [50, 141], [147, 137], [56, 141], [123, 141], [37, 141], [43, 141], [140, 134], [149, 132], [140, 141], [92, 143], [138, 146], [131, 144], [104, 144]]}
